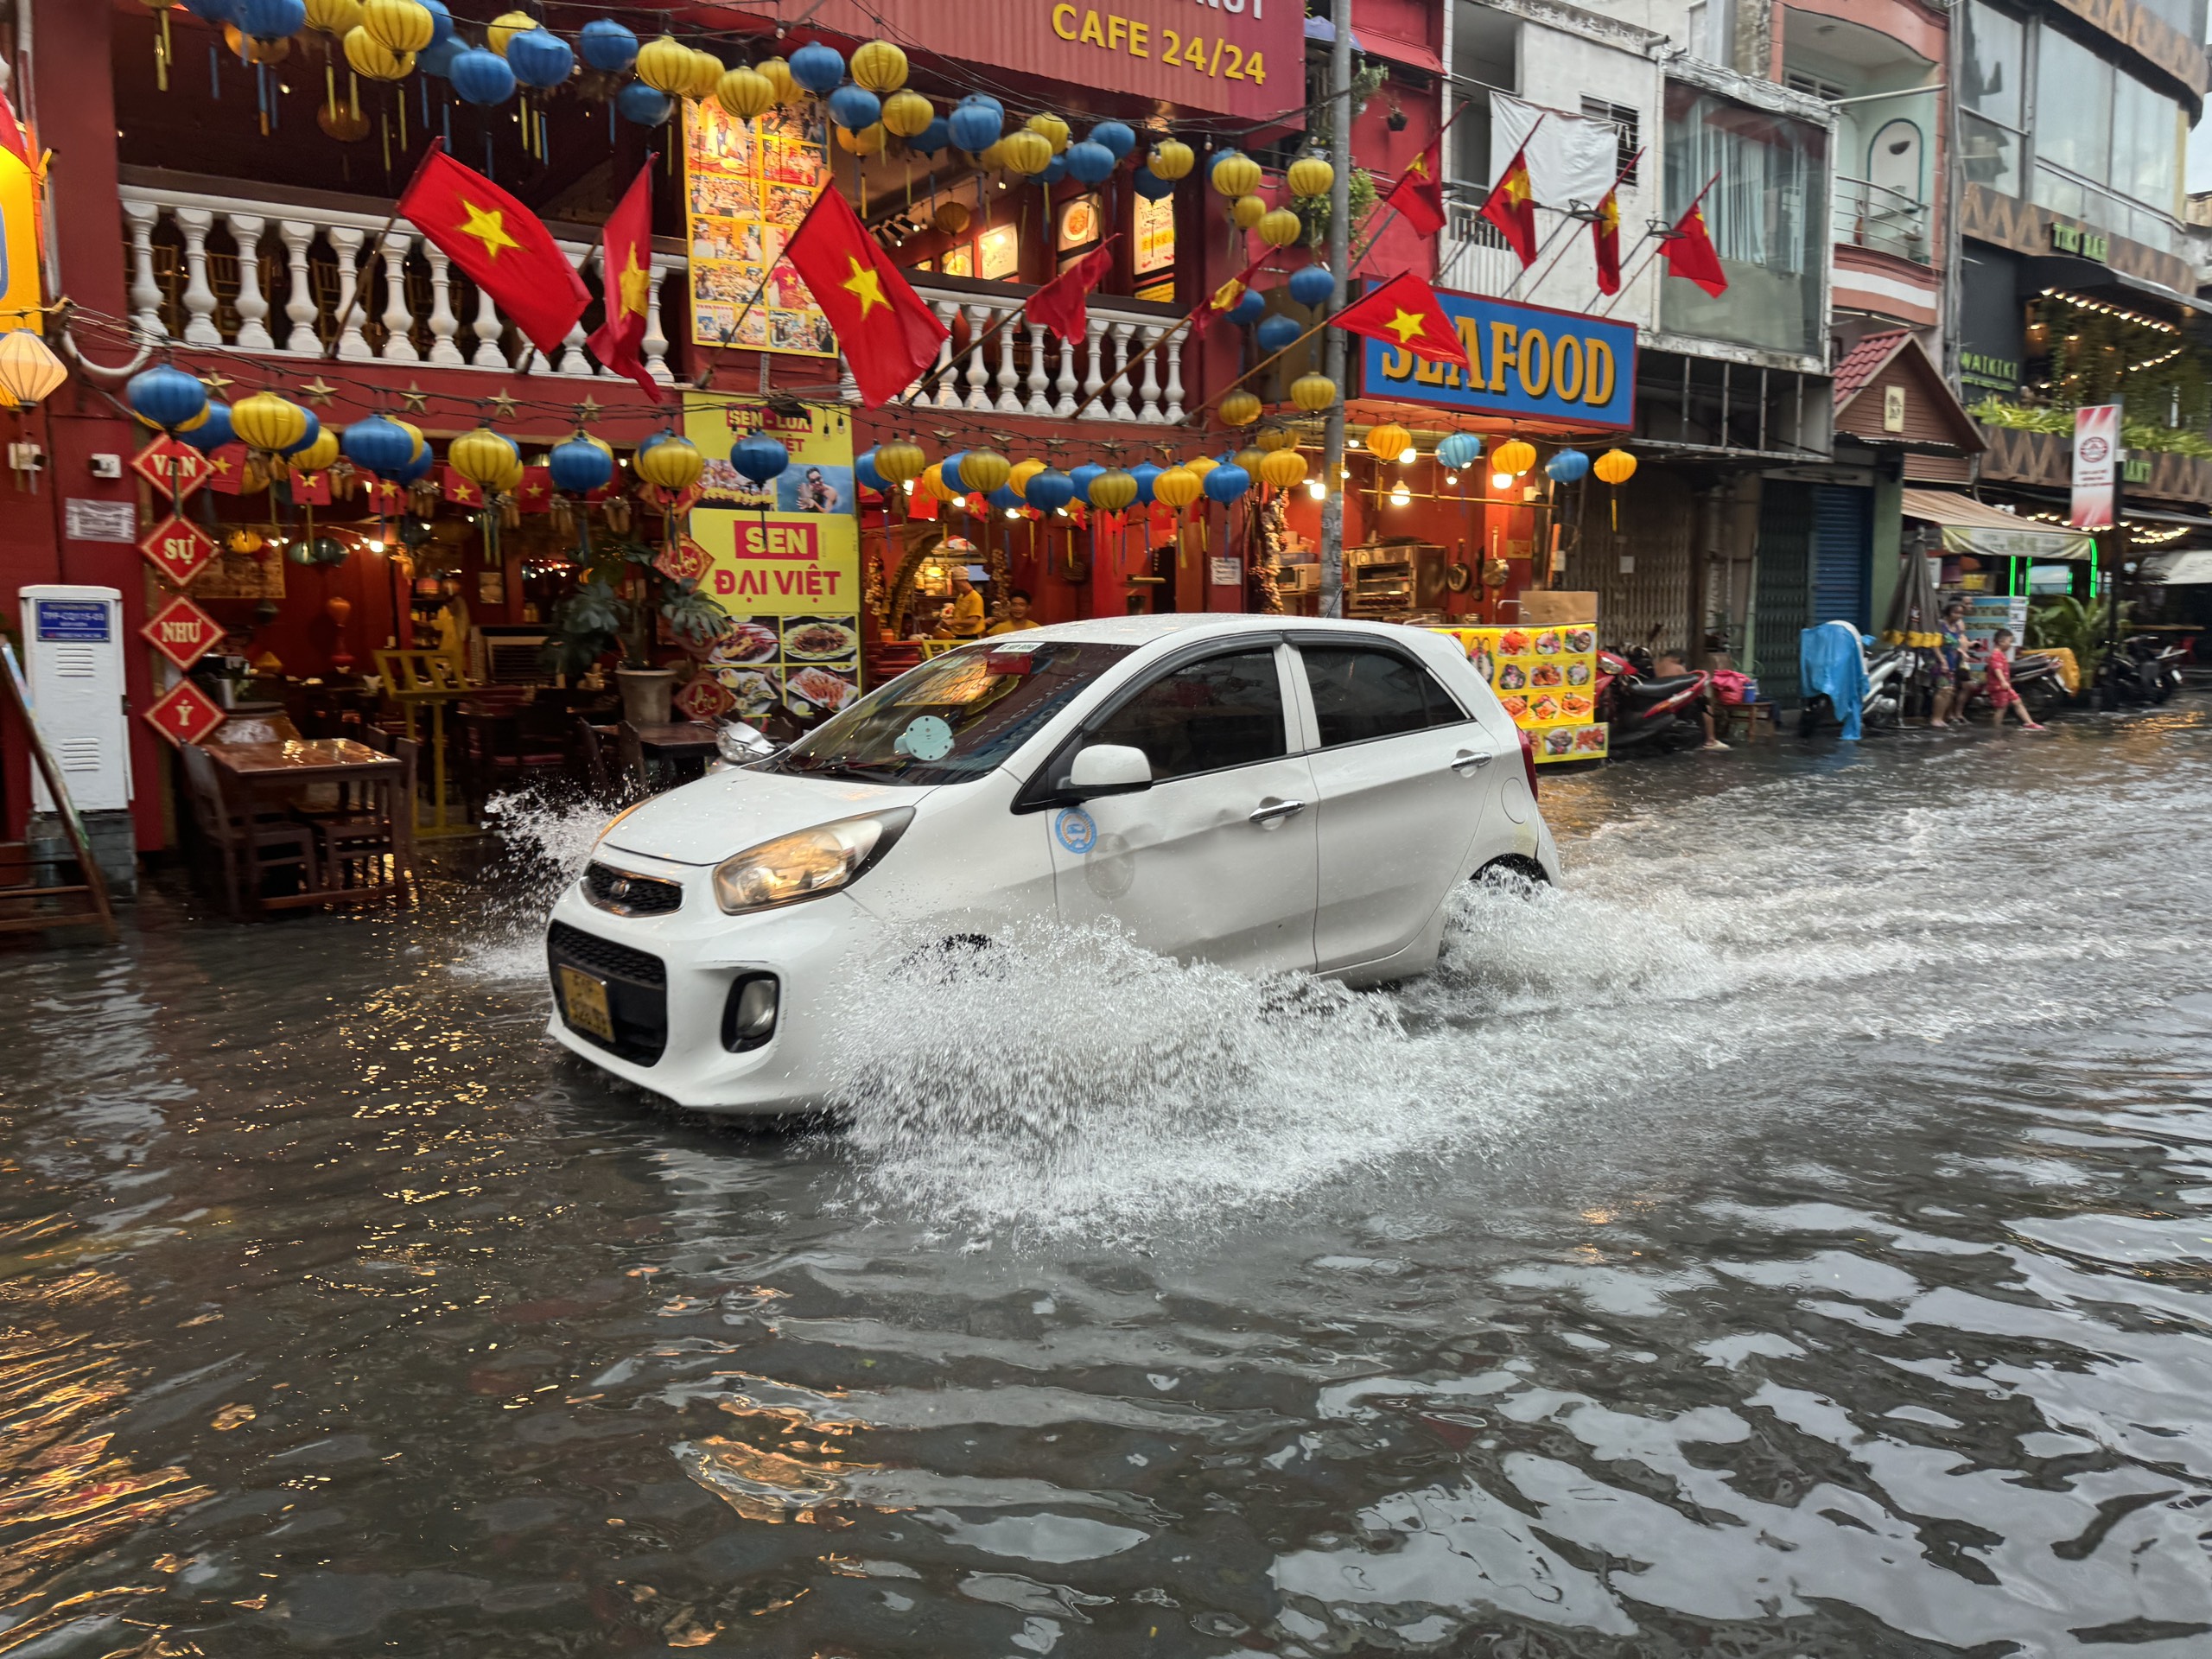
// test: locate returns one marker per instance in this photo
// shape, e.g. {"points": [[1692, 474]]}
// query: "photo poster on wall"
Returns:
{"points": [[1547, 680], [746, 184], [782, 561]]}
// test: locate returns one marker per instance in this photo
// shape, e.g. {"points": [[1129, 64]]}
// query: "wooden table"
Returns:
{"points": [[368, 785], [684, 746]]}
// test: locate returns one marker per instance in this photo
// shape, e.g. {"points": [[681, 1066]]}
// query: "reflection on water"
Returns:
{"points": [[1792, 1237]]}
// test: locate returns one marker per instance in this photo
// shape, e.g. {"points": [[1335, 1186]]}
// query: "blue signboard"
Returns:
{"points": [[73, 619], [1528, 360]]}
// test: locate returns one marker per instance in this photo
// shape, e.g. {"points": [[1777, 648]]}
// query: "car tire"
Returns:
{"points": [[1512, 874]]}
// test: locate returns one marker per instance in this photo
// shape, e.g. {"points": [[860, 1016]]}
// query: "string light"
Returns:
{"points": [[2104, 309]]}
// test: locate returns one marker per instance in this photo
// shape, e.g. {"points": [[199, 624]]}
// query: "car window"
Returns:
{"points": [[1360, 692], [1222, 711], [956, 716]]}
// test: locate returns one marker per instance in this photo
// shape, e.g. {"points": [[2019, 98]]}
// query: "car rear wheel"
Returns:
{"points": [[1512, 874]]}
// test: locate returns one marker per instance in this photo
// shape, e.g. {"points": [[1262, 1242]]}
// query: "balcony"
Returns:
{"points": [[1869, 215], [1474, 257], [1022, 370]]}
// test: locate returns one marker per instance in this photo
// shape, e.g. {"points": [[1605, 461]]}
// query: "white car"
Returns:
{"points": [[1272, 794]]}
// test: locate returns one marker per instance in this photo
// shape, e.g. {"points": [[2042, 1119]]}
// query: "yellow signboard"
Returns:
{"points": [[1547, 680], [746, 186], [19, 241]]}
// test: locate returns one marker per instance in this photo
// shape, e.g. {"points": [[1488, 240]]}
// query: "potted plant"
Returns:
{"points": [[597, 618]]}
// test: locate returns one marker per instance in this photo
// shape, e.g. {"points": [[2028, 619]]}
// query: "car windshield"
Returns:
{"points": [[956, 716]]}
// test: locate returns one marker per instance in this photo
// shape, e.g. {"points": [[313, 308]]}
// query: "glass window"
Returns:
{"points": [[2147, 140], [1991, 75], [2072, 106], [1361, 693], [1225, 711], [1991, 155], [956, 716]]}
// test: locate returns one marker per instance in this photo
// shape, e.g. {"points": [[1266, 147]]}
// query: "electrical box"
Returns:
{"points": [[73, 646]]}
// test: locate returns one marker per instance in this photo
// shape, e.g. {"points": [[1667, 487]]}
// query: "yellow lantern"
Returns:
{"points": [[1178, 487], [414, 434], [1240, 407], [1276, 437], [370, 56], [1250, 460], [482, 457], [1313, 392], [1248, 211], [336, 18], [899, 462], [248, 51], [992, 156], [1615, 466], [1171, 159], [932, 479], [707, 73], [1310, 176], [318, 455], [983, 470], [505, 27], [1052, 130], [1389, 440], [1280, 228], [879, 66], [1198, 467], [906, 113], [1027, 151], [1284, 468], [665, 64], [745, 93], [869, 141], [28, 369], [267, 422], [673, 464], [1235, 173], [951, 218], [1018, 479], [1110, 491], [777, 74], [398, 25], [1516, 456]]}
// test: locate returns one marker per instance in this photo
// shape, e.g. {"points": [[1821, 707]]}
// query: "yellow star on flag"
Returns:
{"points": [[637, 285], [1609, 214], [1516, 185], [489, 228], [1407, 324], [866, 284]]}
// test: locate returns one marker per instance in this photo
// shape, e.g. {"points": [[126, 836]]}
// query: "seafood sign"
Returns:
{"points": [[1547, 678]]}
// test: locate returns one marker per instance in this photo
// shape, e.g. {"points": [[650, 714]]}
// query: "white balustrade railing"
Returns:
{"points": [[413, 308], [1473, 255], [1024, 370]]}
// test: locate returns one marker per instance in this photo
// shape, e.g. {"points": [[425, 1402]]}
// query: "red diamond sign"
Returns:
{"points": [[177, 548], [186, 715], [182, 633], [173, 468], [704, 698]]}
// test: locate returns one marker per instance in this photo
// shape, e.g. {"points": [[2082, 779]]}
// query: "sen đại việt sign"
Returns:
{"points": [[1527, 360]]}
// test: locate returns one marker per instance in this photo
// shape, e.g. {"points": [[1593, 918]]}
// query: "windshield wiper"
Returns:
{"points": [[847, 769]]}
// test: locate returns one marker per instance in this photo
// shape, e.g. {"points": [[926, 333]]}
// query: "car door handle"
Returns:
{"points": [[1272, 812], [1468, 761]]}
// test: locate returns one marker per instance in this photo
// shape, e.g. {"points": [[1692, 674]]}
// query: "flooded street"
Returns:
{"points": [[1792, 1237]]}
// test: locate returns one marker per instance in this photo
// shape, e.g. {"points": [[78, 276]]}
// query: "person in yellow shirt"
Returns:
{"points": [[963, 615], [1017, 615]]}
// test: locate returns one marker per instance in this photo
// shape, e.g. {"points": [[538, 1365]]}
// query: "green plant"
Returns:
{"points": [[2077, 626], [1315, 210], [596, 618]]}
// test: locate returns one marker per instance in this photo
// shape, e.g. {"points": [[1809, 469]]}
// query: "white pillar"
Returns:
{"points": [[145, 292], [442, 320], [948, 395], [978, 376], [1009, 401], [486, 328], [1173, 354], [299, 304], [252, 303], [200, 327], [1064, 388], [398, 321], [1093, 379], [1149, 392], [1039, 404], [656, 344], [346, 242], [1121, 409]]}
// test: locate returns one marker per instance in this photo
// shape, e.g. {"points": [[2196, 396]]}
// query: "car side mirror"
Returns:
{"points": [[1108, 769]]}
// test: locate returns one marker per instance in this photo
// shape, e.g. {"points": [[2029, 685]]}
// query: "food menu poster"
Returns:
{"points": [[746, 184], [782, 560], [1547, 680]]}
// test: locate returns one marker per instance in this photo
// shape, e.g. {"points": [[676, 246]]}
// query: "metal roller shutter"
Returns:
{"points": [[1782, 598], [1841, 517]]}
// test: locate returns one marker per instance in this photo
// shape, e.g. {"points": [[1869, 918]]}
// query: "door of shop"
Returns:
{"points": [[1841, 516], [1782, 605]]}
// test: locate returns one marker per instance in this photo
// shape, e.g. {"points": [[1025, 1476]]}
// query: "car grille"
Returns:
{"points": [[630, 895], [637, 990]]}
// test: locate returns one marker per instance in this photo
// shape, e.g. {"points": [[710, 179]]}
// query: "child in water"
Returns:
{"points": [[2001, 693]]}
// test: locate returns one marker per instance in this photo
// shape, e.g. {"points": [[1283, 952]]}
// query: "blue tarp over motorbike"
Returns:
{"points": [[1832, 663]]}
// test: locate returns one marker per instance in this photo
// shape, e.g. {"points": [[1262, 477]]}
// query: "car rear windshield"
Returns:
{"points": [[956, 716]]}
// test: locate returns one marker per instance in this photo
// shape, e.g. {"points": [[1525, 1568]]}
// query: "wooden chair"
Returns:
{"points": [[253, 846], [593, 743], [498, 747]]}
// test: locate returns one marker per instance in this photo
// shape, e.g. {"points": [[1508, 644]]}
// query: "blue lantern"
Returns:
{"points": [[1249, 308], [437, 59], [1082, 477], [380, 446], [1115, 135], [579, 467], [640, 106], [540, 58], [482, 78], [1275, 332], [988, 103], [949, 470], [1003, 496], [855, 108], [933, 138], [1460, 450], [606, 46], [165, 397], [1088, 162], [1226, 482], [216, 12], [441, 23], [1151, 187], [1050, 490], [308, 435], [976, 126], [1145, 473], [1312, 284], [864, 470], [270, 20], [760, 458], [1568, 467], [416, 469], [1055, 170], [816, 67], [212, 433]]}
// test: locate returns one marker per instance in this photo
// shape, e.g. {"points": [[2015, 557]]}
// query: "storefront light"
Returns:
{"points": [[1501, 480], [1014, 512], [1316, 489], [1451, 477], [1401, 495], [1408, 455], [1352, 443]]}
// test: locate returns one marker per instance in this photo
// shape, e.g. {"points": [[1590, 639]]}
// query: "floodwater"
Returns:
{"points": [[1794, 1238]]}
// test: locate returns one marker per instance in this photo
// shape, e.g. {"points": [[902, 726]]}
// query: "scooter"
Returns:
{"points": [[1887, 672], [2036, 678], [2135, 672], [1639, 708]]}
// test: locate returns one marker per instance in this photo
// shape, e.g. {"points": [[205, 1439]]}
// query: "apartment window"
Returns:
{"points": [[1623, 119], [1990, 80], [1812, 86]]}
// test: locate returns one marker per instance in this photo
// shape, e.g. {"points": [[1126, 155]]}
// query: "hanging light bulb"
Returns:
{"points": [[1316, 489], [1352, 443], [1014, 512], [1401, 495], [1451, 477], [1501, 480], [1406, 456]]}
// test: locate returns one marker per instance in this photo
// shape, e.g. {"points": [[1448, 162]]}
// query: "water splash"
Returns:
{"points": [[546, 840]]}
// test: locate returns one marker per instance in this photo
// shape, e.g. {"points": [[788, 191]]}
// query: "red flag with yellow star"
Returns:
{"points": [[1606, 235], [1688, 251], [1512, 207], [1406, 313], [888, 335], [626, 264], [1418, 197], [502, 246]]}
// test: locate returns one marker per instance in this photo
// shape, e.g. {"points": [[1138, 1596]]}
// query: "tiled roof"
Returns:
{"points": [[1863, 361]]}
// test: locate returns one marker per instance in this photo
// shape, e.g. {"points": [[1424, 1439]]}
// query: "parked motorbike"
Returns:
{"points": [[2036, 678], [1888, 669], [2143, 669], [1639, 708]]}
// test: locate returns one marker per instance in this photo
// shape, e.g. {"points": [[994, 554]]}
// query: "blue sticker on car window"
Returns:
{"points": [[926, 738], [1077, 829]]}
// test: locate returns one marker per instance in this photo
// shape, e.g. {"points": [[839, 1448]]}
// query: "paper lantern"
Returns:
{"points": [[249, 51], [379, 446], [760, 458], [1152, 188], [707, 71], [1313, 392], [505, 27], [983, 470], [898, 462], [1018, 479], [933, 139], [949, 469], [1118, 136], [606, 46], [664, 65], [1049, 491], [1515, 456], [869, 141], [366, 55], [267, 423], [1178, 487], [1283, 469], [1615, 466], [1226, 482], [483, 457], [1171, 159], [1277, 333], [1249, 458], [398, 25], [864, 470], [440, 22], [1280, 227], [435, 59], [270, 20], [778, 75], [1089, 163], [540, 58], [1112, 491], [817, 68], [1251, 306], [976, 127], [1460, 450], [1051, 129], [1247, 211], [933, 482], [1568, 467], [907, 114], [1271, 438], [1027, 151], [854, 107], [1146, 476], [165, 397], [1240, 407], [641, 105], [580, 466], [1084, 476], [673, 464], [210, 434], [1389, 440], [1310, 176], [879, 66], [336, 18], [1234, 174], [418, 448], [316, 454], [1199, 466], [745, 93], [482, 78], [1312, 285], [30, 371]]}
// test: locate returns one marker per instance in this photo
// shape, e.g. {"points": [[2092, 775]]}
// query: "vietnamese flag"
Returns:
{"points": [[461, 491], [626, 264], [1606, 237], [888, 335], [1418, 197], [310, 489], [1059, 304], [503, 247], [1512, 207], [1689, 252], [1406, 312], [535, 492]]}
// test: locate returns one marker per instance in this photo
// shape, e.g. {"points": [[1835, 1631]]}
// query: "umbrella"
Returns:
{"points": [[1915, 612]]}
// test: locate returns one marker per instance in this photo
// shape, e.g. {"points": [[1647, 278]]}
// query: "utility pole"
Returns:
{"points": [[1332, 443]]}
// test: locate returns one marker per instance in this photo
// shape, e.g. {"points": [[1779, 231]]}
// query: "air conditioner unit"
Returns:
{"points": [[512, 656]]}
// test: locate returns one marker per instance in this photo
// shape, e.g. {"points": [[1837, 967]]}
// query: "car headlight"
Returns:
{"points": [[808, 862]]}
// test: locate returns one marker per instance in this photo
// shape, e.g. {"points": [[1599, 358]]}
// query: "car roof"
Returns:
{"points": [[1193, 624]]}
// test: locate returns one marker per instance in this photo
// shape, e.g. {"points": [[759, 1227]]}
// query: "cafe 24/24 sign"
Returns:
{"points": [[1527, 360]]}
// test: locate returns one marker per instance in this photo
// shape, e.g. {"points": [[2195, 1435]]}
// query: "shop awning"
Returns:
{"points": [[1379, 42], [2177, 569], [1971, 527]]}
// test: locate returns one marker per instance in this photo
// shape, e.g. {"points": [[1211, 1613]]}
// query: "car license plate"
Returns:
{"points": [[585, 1000]]}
